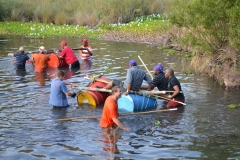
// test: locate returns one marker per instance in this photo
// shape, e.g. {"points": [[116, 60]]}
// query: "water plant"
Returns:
{"points": [[232, 106], [157, 123]]}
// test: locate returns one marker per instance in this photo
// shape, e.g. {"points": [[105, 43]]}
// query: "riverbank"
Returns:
{"points": [[156, 30]]}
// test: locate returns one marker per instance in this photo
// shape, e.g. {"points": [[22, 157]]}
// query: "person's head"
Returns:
{"points": [[132, 63], [169, 73], [42, 49], [21, 49], [85, 42], [63, 43], [60, 75], [116, 92], [157, 69]]}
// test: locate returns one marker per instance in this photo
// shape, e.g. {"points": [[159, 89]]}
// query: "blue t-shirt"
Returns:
{"points": [[21, 59], [57, 94]]}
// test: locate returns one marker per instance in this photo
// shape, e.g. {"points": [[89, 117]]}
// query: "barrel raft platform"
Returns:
{"points": [[135, 103], [93, 97], [56, 62]]}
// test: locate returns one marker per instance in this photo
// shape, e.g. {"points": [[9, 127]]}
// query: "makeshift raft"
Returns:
{"points": [[93, 97], [135, 103]]}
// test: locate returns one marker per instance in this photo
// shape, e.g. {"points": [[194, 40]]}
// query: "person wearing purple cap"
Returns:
{"points": [[159, 81], [135, 77]]}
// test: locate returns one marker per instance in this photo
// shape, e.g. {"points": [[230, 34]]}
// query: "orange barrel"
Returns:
{"points": [[93, 97], [56, 62]]}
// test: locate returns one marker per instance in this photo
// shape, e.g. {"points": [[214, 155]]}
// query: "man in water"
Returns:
{"points": [[59, 91], [135, 77], [159, 81], [20, 60], [40, 60], [68, 55], [174, 85], [109, 117], [86, 50]]}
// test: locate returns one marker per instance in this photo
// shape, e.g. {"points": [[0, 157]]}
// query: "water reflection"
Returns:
{"points": [[20, 72]]}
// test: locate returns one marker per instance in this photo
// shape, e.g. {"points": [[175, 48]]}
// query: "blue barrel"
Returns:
{"points": [[135, 103]]}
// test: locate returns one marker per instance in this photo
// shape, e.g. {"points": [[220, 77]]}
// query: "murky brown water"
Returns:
{"points": [[204, 129]]}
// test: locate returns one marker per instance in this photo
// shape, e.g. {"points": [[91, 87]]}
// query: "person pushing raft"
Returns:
{"points": [[174, 85], [21, 59]]}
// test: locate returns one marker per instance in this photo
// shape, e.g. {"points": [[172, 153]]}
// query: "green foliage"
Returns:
{"points": [[39, 30], [232, 106], [170, 52], [210, 24], [188, 72], [107, 69], [79, 12], [157, 123]]}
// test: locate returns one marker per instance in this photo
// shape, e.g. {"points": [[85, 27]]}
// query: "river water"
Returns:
{"points": [[203, 129]]}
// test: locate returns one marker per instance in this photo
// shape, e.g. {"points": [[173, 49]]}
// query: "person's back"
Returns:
{"points": [[21, 59], [57, 95], [135, 77], [41, 62], [161, 81], [110, 111], [69, 56]]}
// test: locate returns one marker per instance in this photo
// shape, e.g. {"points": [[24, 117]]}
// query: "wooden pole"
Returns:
{"points": [[145, 66], [170, 100], [126, 114]]}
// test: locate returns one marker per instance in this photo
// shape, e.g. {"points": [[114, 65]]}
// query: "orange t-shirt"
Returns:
{"points": [[110, 111], [41, 61]]}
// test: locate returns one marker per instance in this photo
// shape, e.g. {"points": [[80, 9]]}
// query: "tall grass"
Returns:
{"points": [[79, 12]]}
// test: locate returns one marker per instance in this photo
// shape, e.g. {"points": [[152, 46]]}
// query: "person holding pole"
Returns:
{"points": [[109, 119], [159, 81], [174, 85], [135, 77]]}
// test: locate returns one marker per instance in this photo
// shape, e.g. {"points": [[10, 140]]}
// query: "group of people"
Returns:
{"points": [[133, 82], [40, 59], [134, 79]]}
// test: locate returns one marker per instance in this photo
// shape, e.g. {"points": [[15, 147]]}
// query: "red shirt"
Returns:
{"points": [[69, 56], [110, 111]]}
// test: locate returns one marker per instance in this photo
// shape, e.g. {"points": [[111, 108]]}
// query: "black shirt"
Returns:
{"points": [[173, 82], [160, 81]]}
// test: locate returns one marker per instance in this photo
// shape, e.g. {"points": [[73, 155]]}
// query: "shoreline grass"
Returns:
{"points": [[151, 24]]}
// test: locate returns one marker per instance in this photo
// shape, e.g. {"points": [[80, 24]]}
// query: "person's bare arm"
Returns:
{"points": [[109, 85], [10, 54], [176, 91], [128, 89], [119, 124]]}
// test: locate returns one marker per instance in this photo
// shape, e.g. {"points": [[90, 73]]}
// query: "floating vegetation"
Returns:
{"points": [[232, 106], [157, 123], [41, 30], [150, 24]]}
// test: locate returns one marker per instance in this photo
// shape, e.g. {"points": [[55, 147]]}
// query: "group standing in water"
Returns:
{"points": [[133, 82]]}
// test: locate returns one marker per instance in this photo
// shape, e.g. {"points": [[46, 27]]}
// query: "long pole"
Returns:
{"points": [[126, 114], [145, 66]]}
